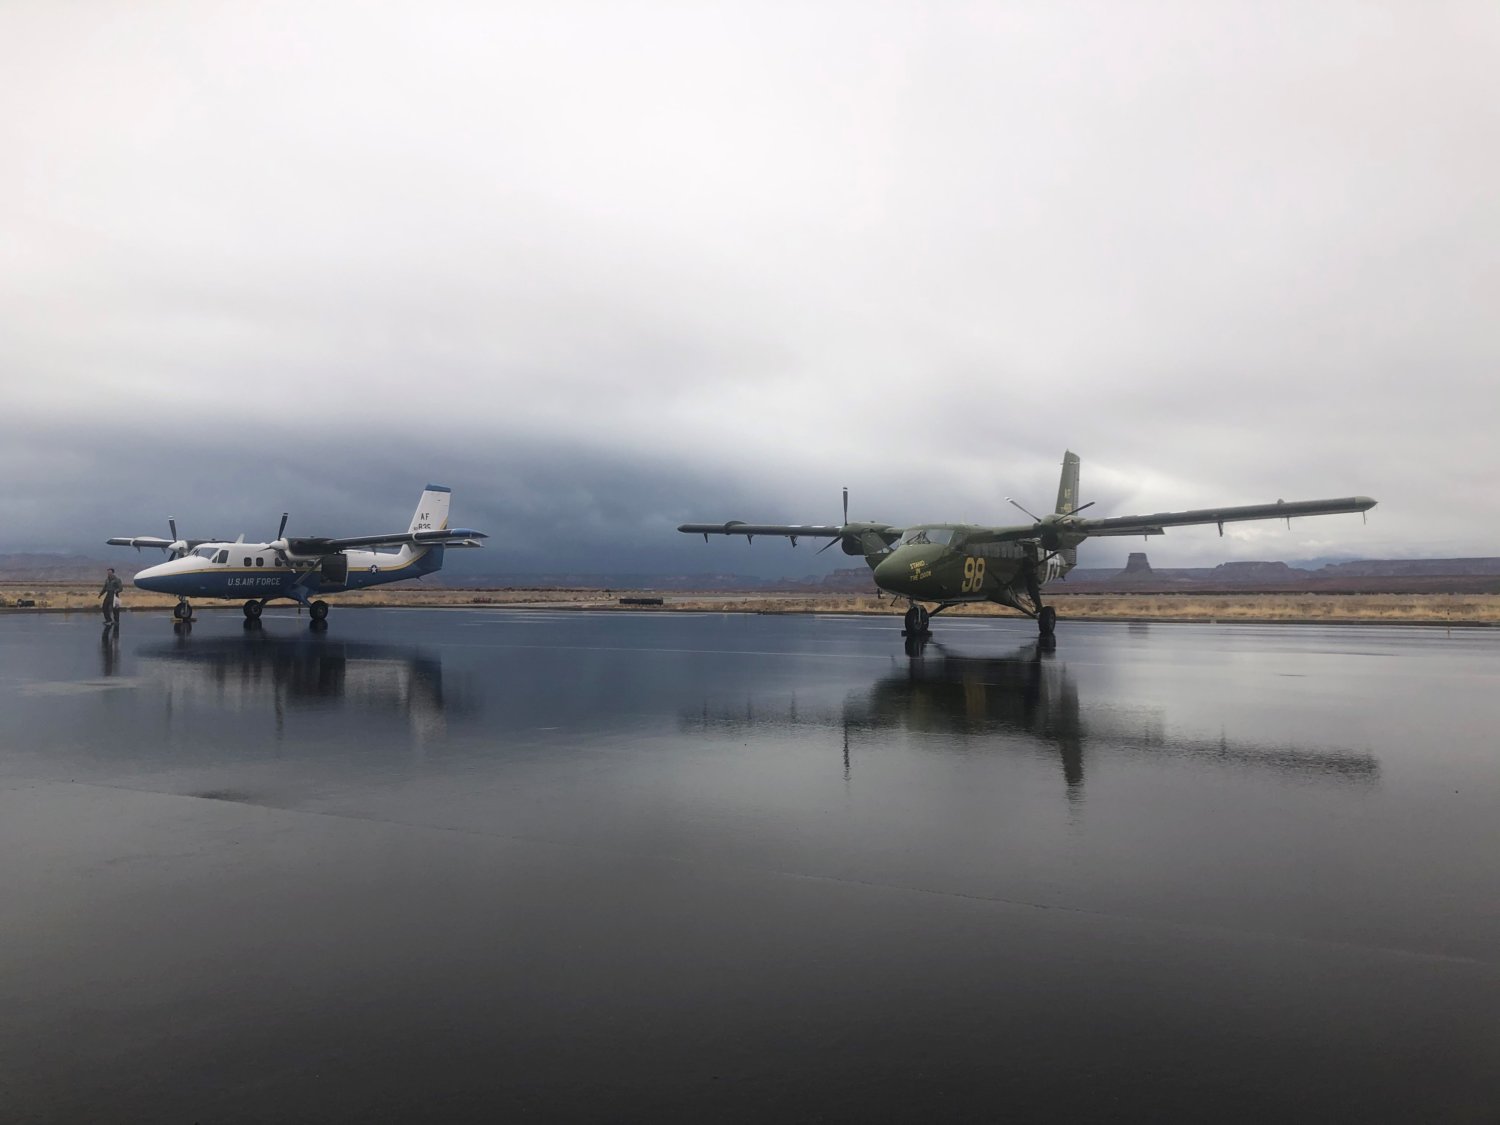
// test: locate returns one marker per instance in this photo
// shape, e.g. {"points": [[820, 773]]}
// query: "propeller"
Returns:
{"points": [[831, 542], [279, 544], [1047, 526], [178, 547]]}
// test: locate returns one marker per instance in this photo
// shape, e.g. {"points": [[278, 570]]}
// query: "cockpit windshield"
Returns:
{"points": [[934, 536], [204, 552]]}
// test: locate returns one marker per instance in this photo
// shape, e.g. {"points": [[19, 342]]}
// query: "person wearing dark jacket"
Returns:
{"points": [[110, 592]]}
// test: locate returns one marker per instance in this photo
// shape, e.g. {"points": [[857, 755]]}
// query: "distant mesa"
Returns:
{"points": [[1363, 576]]}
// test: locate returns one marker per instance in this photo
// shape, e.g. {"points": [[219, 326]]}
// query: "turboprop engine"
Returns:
{"points": [[306, 552]]}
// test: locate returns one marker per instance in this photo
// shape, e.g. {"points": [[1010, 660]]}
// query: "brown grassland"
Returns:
{"points": [[1445, 609]]}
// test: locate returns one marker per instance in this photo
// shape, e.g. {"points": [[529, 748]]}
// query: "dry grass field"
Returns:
{"points": [[1454, 609]]}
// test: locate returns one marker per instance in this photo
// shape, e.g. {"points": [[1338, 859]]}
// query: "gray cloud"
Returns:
{"points": [[610, 267]]}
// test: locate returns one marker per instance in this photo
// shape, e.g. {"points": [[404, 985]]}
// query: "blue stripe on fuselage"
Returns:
{"points": [[240, 583]]}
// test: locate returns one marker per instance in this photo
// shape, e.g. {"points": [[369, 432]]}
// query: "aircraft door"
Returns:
{"points": [[334, 569]]}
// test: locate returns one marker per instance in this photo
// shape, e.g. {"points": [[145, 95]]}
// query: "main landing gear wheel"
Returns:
{"points": [[916, 620], [182, 611], [1046, 621], [319, 611], [252, 610]]}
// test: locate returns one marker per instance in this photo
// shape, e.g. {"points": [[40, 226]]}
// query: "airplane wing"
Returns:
{"points": [[792, 531], [1052, 529], [1156, 524], [446, 537], [139, 541]]}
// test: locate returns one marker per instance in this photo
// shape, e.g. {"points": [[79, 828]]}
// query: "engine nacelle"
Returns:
{"points": [[867, 539]]}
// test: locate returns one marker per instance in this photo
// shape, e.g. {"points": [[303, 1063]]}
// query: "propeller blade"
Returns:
{"points": [[1035, 519], [841, 538], [177, 548], [282, 528]]}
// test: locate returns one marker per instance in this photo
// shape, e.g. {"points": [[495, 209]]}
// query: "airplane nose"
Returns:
{"points": [[150, 578], [890, 571]]}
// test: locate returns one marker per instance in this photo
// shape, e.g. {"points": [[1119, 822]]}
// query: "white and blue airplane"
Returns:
{"points": [[300, 567]]}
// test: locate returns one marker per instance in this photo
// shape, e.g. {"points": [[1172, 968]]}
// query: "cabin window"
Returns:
{"points": [[222, 556], [260, 562], [279, 562], [1000, 550], [247, 560]]}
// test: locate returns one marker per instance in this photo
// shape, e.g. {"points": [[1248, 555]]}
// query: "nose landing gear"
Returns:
{"points": [[916, 620]]}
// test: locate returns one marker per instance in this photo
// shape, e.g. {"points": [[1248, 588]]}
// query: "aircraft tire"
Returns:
{"points": [[319, 611], [916, 620], [1046, 621], [182, 611], [252, 610]]}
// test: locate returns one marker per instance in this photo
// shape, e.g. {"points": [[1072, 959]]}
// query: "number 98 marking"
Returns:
{"points": [[973, 576]]}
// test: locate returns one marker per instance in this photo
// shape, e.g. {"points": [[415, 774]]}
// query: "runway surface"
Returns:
{"points": [[455, 865]]}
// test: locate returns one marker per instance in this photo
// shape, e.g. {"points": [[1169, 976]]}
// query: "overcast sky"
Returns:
{"points": [[603, 268]]}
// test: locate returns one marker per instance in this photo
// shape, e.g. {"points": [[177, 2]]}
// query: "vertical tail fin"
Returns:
{"points": [[432, 509], [1067, 487], [1067, 503]]}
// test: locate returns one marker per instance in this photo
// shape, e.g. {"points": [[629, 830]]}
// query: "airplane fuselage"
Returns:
{"points": [[255, 571], [939, 563]]}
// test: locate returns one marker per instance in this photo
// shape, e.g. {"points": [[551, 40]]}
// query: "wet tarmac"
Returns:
{"points": [[455, 865]]}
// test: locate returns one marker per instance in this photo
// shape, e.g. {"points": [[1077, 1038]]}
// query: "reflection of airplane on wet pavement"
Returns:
{"points": [[1026, 692], [258, 669], [952, 564], [298, 567]]}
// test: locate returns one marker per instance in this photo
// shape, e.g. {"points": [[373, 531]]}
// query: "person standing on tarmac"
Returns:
{"points": [[110, 592]]}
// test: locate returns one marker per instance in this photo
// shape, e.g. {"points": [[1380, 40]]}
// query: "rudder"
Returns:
{"points": [[432, 509], [1067, 487], [1067, 504]]}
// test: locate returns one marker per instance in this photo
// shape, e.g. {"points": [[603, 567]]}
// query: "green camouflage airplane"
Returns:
{"points": [[952, 564]]}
